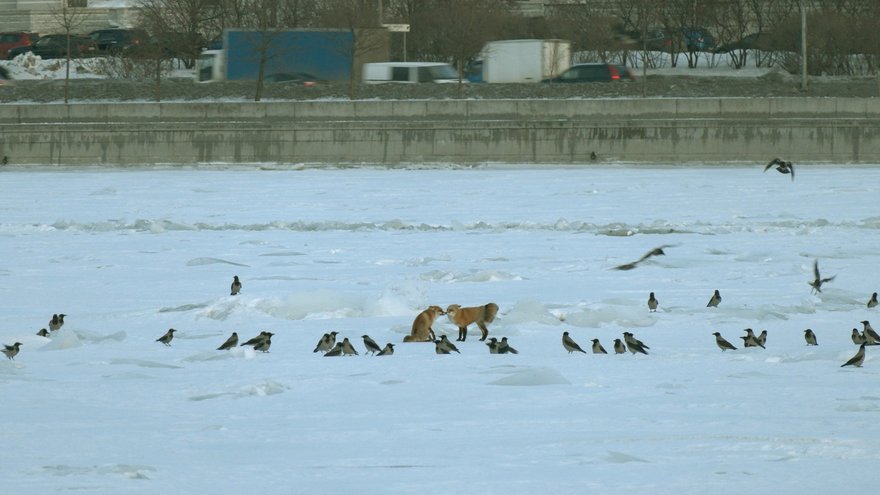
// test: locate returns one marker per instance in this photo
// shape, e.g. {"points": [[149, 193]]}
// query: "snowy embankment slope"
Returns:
{"points": [[126, 254]]}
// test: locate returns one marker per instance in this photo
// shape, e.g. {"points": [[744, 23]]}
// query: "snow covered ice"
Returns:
{"points": [[101, 407]]}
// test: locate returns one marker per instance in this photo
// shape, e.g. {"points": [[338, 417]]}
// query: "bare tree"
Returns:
{"points": [[179, 25], [456, 30], [70, 19], [683, 18], [266, 14], [361, 19]]}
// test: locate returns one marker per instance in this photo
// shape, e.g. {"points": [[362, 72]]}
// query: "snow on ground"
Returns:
{"points": [[29, 67], [101, 407]]}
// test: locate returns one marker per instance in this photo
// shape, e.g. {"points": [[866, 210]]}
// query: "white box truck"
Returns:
{"points": [[520, 61]]}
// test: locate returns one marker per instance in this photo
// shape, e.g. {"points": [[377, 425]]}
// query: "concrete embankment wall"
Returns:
{"points": [[658, 130]]}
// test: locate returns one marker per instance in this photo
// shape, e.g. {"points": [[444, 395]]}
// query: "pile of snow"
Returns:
{"points": [[30, 66]]}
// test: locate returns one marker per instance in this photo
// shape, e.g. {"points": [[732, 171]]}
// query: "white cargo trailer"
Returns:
{"points": [[522, 61]]}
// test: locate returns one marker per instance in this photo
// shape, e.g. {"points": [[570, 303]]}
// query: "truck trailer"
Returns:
{"points": [[321, 54], [520, 61]]}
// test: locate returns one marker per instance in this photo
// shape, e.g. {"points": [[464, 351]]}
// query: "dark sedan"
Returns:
{"points": [[755, 41], [52, 46], [597, 72]]}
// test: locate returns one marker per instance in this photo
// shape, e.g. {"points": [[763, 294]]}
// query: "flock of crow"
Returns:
{"points": [[331, 348], [328, 345]]}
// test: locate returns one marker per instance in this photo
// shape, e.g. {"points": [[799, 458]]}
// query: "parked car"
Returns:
{"points": [[653, 40], [698, 39], [12, 40], [658, 40], [754, 41], [296, 78], [117, 40], [54, 46], [596, 72]]}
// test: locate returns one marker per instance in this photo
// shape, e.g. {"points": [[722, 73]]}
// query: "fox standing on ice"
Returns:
{"points": [[462, 317]]}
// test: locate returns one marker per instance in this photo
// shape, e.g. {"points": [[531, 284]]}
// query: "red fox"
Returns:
{"points": [[421, 327], [462, 317]]}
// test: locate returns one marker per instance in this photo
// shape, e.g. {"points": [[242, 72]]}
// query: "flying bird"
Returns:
{"points": [[873, 301], [387, 351], [371, 345], [597, 347], [569, 344], [810, 337], [11, 350], [652, 302], [723, 344], [856, 360], [782, 166], [817, 282], [231, 342], [657, 251], [714, 300], [166, 339]]}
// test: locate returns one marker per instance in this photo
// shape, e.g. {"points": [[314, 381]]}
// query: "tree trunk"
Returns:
{"points": [[158, 78], [67, 70], [261, 73]]}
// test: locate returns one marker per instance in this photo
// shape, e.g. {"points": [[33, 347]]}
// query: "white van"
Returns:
{"points": [[409, 72]]}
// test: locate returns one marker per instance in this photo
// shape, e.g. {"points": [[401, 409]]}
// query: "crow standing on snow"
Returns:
{"points": [[856, 360], [167, 338], [569, 344], [652, 302], [810, 337], [11, 350], [371, 345], [235, 288], [714, 300], [723, 344], [231, 342]]}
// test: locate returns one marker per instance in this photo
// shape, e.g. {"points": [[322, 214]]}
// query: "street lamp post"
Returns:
{"points": [[803, 47]]}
